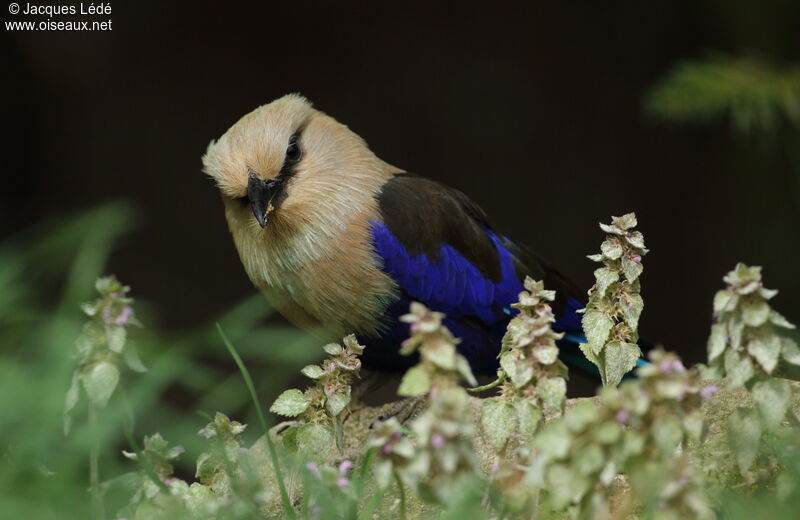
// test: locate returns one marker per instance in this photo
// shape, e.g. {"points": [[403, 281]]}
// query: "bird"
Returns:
{"points": [[340, 241]]}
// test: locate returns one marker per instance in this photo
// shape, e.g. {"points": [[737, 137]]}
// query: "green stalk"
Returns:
{"points": [[98, 508], [402, 492], [287, 504]]}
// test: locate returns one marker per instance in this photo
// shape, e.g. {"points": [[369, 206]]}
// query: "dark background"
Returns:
{"points": [[534, 111]]}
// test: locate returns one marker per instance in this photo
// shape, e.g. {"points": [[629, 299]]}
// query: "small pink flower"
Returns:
{"points": [[345, 466], [388, 448], [707, 392], [437, 440], [622, 416], [332, 367], [313, 468], [342, 482], [124, 316], [636, 258], [167, 482]]}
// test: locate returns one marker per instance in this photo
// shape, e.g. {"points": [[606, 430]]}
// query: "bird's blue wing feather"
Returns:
{"points": [[449, 282]]}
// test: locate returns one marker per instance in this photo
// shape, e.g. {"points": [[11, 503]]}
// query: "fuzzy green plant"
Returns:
{"points": [[440, 365], [532, 379], [635, 430], [444, 457], [746, 349], [319, 408], [611, 317], [102, 352]]}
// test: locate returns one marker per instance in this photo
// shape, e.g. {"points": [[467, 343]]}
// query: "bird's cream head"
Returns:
{"points": [[286, 165]]}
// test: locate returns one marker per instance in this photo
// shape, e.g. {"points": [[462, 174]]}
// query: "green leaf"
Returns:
{"points": [[605, 277], [133, 361], [546, 355], [620, 358], [597, 326], [115, 336], [766, 350], [778, 320], [529, 417], [772, 398], [552, 391], [611, 249], [755, 311], [416, 381], [717, 341], [499, 422], [290, 403], [667, 433], [337, 402], [442, 354], [695, 425], [632, 312], [70, 401], [595, 258], [588, 351], [735, 329], [462, 365], [636, 239], [315, 439], [312, 371], [333, 349], [744, 432], [725, 301], [632, 270], [738, 369], [100, 382], [626, 221], [519, 372], [790, 351]]}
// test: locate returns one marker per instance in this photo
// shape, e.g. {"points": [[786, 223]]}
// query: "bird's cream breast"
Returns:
{"points": [[320, 269]]}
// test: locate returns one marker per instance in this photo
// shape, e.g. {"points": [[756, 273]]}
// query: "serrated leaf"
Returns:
{"points": [[619, 359], [595, 258], [716, 341], [738, 369], [333, 349], [519, 372], [605, 277], [632, 312], [552, 391], [744, 433], [70, 401], [115, 336], [725, 301], [667, 433], [772, 398], [133, 361], [611, 249], [290, 403], [463, 368], [441, 354], [337, 402], [765, 350], [588, 351], [735, 329], [778, 320], [790, 351], [315, 439], [499, 422], [100, 382], [596, 326], [636, 239], [632, 270], [416, 381], [626, 221], [546, 355], [755, 312], [312, 371], [529, 417]]}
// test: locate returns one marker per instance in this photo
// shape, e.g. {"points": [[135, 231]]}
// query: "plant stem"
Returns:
{"points": [[287, 504], [98, 509], [402, 493]]}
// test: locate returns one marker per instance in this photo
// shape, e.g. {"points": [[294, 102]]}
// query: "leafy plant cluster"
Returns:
{"points": [[655, 446]]}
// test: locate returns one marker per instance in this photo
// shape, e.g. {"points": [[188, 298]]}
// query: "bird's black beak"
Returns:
{"points": [[264, 196]]}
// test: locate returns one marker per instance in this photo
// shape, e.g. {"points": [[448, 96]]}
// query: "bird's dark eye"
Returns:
{"points": [[293, 152]]}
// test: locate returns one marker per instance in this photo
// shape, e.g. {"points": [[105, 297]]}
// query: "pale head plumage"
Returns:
{"points": [[314, 258]]}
